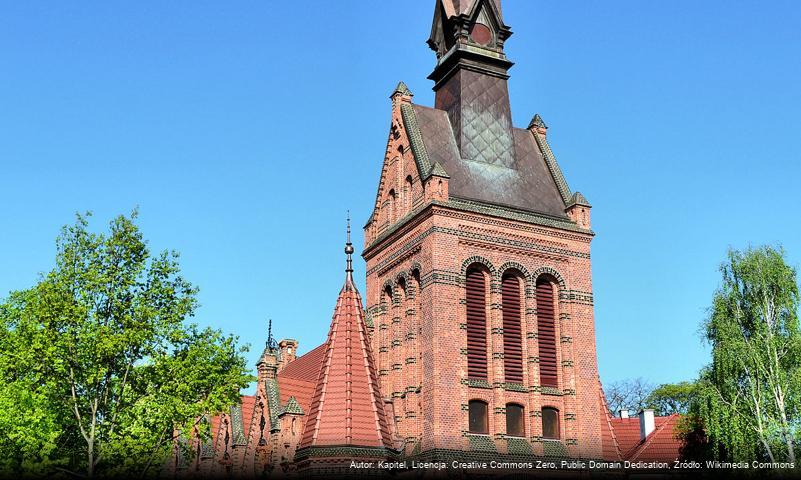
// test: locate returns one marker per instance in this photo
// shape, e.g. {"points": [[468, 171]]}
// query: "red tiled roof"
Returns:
{"points": [[299, 378], [306, 367], [609, 443], [662, 444], [303, 391], [346, 408], [620, 437], [627, 432]]}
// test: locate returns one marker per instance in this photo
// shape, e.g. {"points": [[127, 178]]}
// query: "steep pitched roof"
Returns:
{"points": [[347, 408], [529, 184], [609, 444], [458, 7]]}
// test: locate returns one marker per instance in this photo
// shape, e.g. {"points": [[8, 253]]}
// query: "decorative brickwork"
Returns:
{"points": [[471, 215]]}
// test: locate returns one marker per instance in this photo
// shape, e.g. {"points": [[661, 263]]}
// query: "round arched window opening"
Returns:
{"points": [[550, 424], [479, 419], [515, 426]]}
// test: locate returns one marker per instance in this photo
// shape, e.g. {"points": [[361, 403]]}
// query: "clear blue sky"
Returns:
{"points": [[244, 130]]}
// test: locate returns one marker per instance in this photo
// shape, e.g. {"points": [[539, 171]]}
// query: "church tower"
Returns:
{"points": [[479, 286]]}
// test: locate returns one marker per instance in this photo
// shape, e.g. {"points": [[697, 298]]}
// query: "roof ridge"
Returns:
{"points": [[419, 150], [640, 447], [553, 166], [605, 407]]}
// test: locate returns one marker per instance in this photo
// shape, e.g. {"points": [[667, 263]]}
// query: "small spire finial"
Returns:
{"points": [[349, 252], [272, 345]]}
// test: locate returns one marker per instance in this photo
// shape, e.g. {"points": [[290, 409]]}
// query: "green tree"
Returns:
{"points": [[671, 398], [748, 398], [100, 368]]}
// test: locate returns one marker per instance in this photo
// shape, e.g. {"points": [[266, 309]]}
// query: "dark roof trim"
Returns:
{"points": [[424, 167], [553, 166], [438, 171], [511, 213], [579, 199], [349, 451]]}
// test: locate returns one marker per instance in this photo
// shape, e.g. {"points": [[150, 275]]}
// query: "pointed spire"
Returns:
{"points": [[349, 264], [270, 347], [347, 407], [470, 78]]}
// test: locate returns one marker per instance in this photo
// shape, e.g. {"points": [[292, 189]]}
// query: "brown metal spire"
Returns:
{"points": [[470, 79]]}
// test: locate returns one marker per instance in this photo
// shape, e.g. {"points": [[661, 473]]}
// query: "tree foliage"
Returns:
{"points": [[671, 398], [99, 367], [748, 398]]}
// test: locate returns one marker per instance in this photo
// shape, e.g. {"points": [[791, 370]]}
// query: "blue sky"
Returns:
{"points": [[243, 131]]}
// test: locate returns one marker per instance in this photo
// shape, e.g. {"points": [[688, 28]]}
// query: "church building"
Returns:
{"points": [[477, 338]]}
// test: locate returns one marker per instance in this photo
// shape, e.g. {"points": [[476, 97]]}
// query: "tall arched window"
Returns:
{"points": [[476, 291], [546, 326], [512, 335], [479, 417], [392, 206], [383, 334], [550, 424], [408, 194], [515, 423]]}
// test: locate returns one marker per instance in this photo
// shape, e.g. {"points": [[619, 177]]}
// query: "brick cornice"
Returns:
{"points": [[479, 212]]}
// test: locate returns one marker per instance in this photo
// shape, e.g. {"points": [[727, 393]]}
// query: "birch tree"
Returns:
{"points": [[748, 398]]}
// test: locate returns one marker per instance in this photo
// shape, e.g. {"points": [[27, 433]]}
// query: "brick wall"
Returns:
{"points": [[419, 329]]}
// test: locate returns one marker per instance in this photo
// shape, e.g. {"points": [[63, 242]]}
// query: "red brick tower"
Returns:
{"points": [[479, 288], [347, 419]]}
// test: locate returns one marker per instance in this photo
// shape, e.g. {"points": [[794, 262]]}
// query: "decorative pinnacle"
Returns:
{"points": [[402, 89], [349, 252], [537, 123], [272, 345]]}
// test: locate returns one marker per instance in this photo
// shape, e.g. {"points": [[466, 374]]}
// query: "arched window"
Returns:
{"points": [[387, 297], [409, 192], [546, 326], [476, 291], [479, 417], [392, 206], [515, 426], [402, 288], [512, 335], [550, 424]]}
